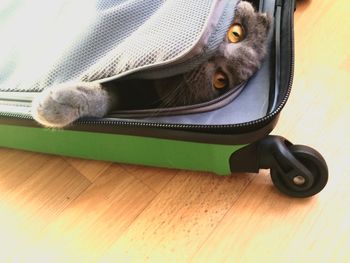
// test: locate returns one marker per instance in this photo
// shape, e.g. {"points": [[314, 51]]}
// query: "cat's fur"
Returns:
{"points": [[61, 105]]}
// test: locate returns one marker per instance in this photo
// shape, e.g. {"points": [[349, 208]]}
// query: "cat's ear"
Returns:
{"points": [[244, 9], [265, 20]]}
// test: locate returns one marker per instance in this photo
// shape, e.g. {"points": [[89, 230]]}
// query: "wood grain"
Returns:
{"points": [[180, 218], [35, 201], [55, 209], [91, 169]]}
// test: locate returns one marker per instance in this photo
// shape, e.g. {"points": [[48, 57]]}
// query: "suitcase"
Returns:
{"points": [[227, 135]]}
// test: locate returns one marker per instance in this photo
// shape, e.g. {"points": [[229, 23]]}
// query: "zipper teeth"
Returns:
{"points": [[21, 90], [16, 115], [267, 118]]}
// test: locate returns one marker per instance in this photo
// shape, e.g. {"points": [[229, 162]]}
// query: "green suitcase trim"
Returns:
{"points": [[121, 148]]}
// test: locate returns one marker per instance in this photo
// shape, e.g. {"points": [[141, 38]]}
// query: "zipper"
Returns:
{"points": [[197, 127], [23, 116]]}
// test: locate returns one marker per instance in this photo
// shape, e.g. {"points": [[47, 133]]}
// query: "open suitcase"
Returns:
{"points": [[227, 135]]}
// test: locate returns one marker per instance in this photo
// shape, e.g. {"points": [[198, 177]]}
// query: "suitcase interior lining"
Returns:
{"points": [[251, 104], [254, 102]]}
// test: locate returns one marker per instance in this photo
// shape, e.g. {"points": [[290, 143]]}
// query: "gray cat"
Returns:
{"points": [[238, 58]]}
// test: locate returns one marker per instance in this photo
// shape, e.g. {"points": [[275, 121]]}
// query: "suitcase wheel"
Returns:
{"points": [[308, 178]]}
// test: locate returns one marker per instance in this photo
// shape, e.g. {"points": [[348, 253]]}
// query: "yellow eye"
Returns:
{"points": [[220, 80], [236, 33]]}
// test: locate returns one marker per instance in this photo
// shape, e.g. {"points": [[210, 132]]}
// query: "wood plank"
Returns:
{"points": [[36, 201], [180, 218], [275, 228], [91, 169], [91, 223], [17, 166], [154, 178]]}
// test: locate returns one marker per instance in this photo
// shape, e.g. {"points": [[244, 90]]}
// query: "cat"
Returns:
{"points": [[239, 56]]}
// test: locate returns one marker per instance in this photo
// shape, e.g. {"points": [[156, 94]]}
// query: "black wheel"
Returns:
{"points": [[296, 185]]}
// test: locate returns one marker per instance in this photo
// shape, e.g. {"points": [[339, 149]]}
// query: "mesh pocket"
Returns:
{"points": [[94, 40]]}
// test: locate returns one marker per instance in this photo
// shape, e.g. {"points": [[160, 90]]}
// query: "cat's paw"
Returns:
{"points": [[59, 106]]}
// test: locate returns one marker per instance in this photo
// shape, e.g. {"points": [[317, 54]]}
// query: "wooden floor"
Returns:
{"points": [[55, 209]]}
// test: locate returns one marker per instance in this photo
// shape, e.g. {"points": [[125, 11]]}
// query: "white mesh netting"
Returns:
{"points": [[44, 43]]}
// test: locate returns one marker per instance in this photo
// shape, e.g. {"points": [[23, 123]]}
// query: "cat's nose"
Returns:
{"points": [[220, 80]]}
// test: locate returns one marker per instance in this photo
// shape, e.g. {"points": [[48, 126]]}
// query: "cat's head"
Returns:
{"points": [[240, 55], [243, 49]]}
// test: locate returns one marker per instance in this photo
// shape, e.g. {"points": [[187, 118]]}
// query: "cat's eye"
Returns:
{"points": [[220, 80], [236, 33]]}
